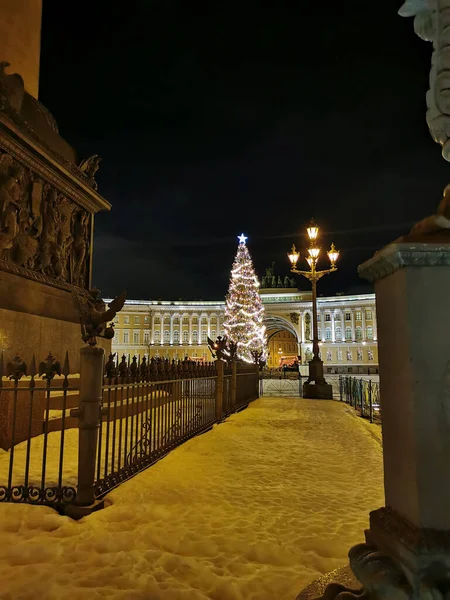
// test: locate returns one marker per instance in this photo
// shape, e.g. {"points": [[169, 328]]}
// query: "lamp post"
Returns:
{"points": [[315, 386]]}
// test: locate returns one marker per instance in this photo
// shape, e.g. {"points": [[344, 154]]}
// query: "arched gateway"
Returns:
{"points": [[283, 341]]}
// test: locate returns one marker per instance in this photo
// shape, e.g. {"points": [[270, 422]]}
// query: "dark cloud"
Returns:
{"points": [[221, 118]]}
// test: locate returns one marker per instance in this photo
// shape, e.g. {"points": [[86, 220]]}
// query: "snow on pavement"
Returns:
{"points": [[255, 509]]}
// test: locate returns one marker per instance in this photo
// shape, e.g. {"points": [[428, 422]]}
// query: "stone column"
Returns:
{"points": [[407, 549], [302, 326], [209, 325], [152, 333], [190, 328], [374, 325], [363, 324], [171, 328], [333, 334], [352, 312]]}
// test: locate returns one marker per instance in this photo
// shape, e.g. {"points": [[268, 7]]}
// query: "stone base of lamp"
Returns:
{"points": [[318, 391], [315, 386]]}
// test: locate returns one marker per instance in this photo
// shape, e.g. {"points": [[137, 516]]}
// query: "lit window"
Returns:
{"points": [[359, 334], [135, 337], [126, 337], [166, 336], [185, 336], [328, 333], [195, 336], [176, 337], [126, 319], [136, 320], [369, 315], [338, 334], [348, 333], [358, 315], [146, 319], [369, 332]]}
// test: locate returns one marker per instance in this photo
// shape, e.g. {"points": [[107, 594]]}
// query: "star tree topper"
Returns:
{"points": [[242, 238]]}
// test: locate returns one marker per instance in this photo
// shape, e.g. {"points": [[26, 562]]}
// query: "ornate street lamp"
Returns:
{"points": [[315, 386]]}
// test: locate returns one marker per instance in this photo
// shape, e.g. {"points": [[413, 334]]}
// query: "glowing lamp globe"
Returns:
{"points": [[293, 256], [333, 255], [313, 232], [314, 252]]}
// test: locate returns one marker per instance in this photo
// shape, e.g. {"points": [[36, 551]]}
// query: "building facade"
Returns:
{"points": [[179, 329]]}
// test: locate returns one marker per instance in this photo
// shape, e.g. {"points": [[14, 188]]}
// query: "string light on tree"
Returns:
{"points": [[244, 311]]}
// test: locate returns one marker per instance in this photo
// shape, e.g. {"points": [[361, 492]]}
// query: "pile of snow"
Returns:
{"points": [[256, 508]]}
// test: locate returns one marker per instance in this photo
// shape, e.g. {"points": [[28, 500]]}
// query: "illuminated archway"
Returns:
{"points": [[282, 340]]}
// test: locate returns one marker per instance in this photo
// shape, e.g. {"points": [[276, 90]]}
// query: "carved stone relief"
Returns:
{"points": [[41, 229]]}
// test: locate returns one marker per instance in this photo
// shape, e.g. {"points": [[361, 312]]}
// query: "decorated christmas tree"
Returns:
{"points": [[244, 311]]}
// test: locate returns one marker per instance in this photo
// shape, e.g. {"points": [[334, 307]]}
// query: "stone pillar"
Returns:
{"points": [[374, 325], [352, 312], [333, 334], [209, 326], [302, 325], [152, 333], [89, 415], [363, 324], [171, 328], [190, 329], [20, 39], [407, 549]]}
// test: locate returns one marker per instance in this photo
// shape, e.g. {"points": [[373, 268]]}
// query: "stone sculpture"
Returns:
{"points": [[432, 24], [94, 315], [89, 167], [41, 229]]}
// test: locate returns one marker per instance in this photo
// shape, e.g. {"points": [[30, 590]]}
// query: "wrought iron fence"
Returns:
{"points": [[60, 435], [363, 395], [33, 462]]}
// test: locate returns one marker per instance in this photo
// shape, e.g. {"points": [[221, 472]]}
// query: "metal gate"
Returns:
{"points": [[286, 387]]}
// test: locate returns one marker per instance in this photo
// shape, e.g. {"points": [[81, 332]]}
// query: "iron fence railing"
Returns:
{"points": [[66, 440], [144, 420], [363, 395]]}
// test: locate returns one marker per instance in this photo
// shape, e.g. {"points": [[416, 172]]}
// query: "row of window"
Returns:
{"points": [[166, 337], [204, 320], [348, 334], [348, 316], [166, 320]]}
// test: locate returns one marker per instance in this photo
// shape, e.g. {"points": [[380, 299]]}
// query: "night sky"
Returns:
{"points": [[221, 117]]}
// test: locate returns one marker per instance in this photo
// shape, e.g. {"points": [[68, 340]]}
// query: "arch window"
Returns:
{"points": [[359, 334], [204, 336], [369, 332], [195, 336], [176, 337], [328, 333], [166, 336], [185, 337], [348, 334], [338, 333], [213, 335], [157, 336]]}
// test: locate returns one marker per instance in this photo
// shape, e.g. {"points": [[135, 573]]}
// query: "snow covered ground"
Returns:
{"points": [[255, 509]]}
